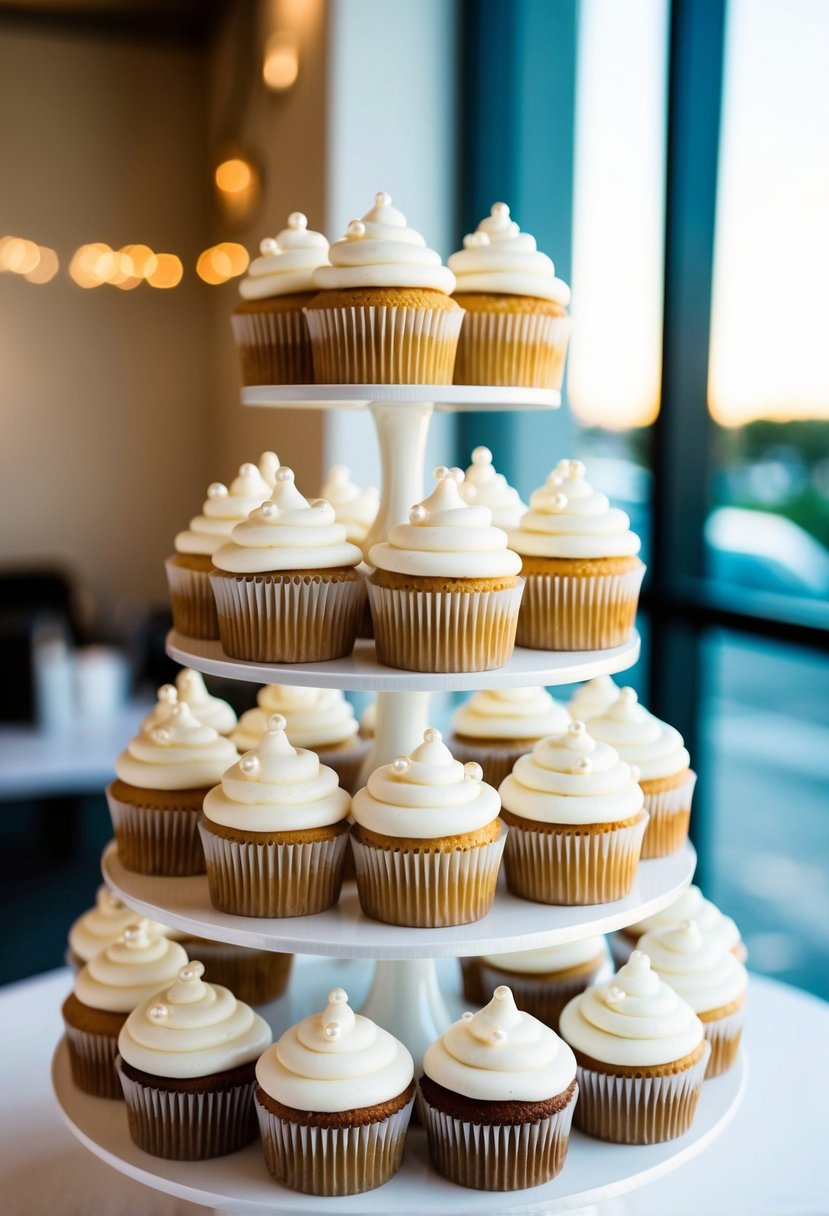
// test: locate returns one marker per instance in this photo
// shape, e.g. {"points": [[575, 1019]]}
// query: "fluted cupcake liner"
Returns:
{"points": [[495, 758], [724, 1036], [92, 1060], [274, 347], [191, 601], [471, 982], [427, 889], [670, 815], [512, 348], [189, 1124], [162, 842], [347, 762], [255, 977], [567, 612], [285, 618], [565, 866], [333, 1161], [544, 998], [384, 344], [497, 1156], [247, 878], [444, 630], [638, 1110]]}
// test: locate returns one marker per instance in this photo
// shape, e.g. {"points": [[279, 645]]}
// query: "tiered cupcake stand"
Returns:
{"points": [[405, 992]]}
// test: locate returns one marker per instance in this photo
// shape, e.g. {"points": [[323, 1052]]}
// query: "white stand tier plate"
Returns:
{"points": [[455, 397]]}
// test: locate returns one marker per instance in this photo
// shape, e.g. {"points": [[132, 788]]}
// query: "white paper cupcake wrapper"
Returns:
{"points": [[565, 868], [274, 347], [159, 842], [444, 630], [333, 1160], [512, 348], [596, 612], [427, 890], [724, 1036], [92, 1060], [279, 619], [384, 345], [189, 1125], [670, 812], [497, 1156], [638, 1110], [273, 879], [191, 601], [542, 998]]}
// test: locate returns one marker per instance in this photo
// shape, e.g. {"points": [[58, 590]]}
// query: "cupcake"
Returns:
{"points": [[383, 314], [103, 925], [545, 979], [194, 612], [274, 831], [186, 1060], [355, 508], [592, 698], [497, 1097], [334, 1096], [161, 780], [641, 1056], [445, 590], [483, 487], [269, 324], [580, 565], [210, 710], [107, 989], [285, 585], [427, 839], [690, 905], [320, 719], [516, 325], [368, 720], [709, 978], [665, 775], [495, 727], [576, 821]]}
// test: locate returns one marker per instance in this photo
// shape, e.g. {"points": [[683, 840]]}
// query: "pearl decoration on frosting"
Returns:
{"points": [[157, 1013], [468, 1016], [502, 992], [168, 693], [249, 765], [432, 735], [217, 489], [576, 728], [332, 1030], [498, 1034], [298, 221], [269, 245], [191, 972], [559, 501], [161, 735], [268, 509], [277, 722], [382, 199], [283, 473], [135, 935], [481, 456], [444, 473], [473, 770], [583, 765], [401, 764], [615, 995], [355, 230], [417, 514]]}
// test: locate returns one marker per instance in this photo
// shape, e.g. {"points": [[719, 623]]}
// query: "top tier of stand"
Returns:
{"points": [[454, 397]]}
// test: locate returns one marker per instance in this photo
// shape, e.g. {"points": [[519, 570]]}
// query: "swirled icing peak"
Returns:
{"points": [[572, 778], [498, 257], [317, 717], [380, 250], [447, 538], [287, 262], [653, 746], [500, 1054], [593, 697], [173, 750], [484, 487], [691, 905], [287, 533], [129, 970], [223, 508], [277, 788], [634, 1019], [427, 794], [510, 714], [355, 508], [335, 1060], [701, 969], [212, 711], [192, 1029], [102, 925], [568, 518]]}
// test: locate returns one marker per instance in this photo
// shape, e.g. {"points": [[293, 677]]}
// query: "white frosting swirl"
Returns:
{"points": [[571, 778], [103, 925], [287, 261], [192, 1029], [287, 533], [699, 968], [483, 487], [277, 788], [129, 970], [498, 257], [568, 518], [640, 738], [222, 510], [210, 710], [426, 795], [174, 751], [316, 717], [501, 1055], [381, 251], [335, 1060], [510, 713], [355, 508], [593, 698], [548, 959], [691, 905], [634, 1019], [446, 538]]}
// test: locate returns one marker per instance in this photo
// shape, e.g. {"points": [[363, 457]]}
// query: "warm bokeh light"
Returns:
{"points": [[234, 176], [143, 260], [618, 206], [19, 256], [222, 262], [79, 270], [47, 266], [167, 272], [281, 66], [770, 303]]}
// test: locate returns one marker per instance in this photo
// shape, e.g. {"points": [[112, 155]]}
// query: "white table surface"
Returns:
{"points": [[771, 1161]]}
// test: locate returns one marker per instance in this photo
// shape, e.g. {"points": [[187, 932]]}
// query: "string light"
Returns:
{"points": [[222, 262], [281, 66], [167, 272], [234, 176]]}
